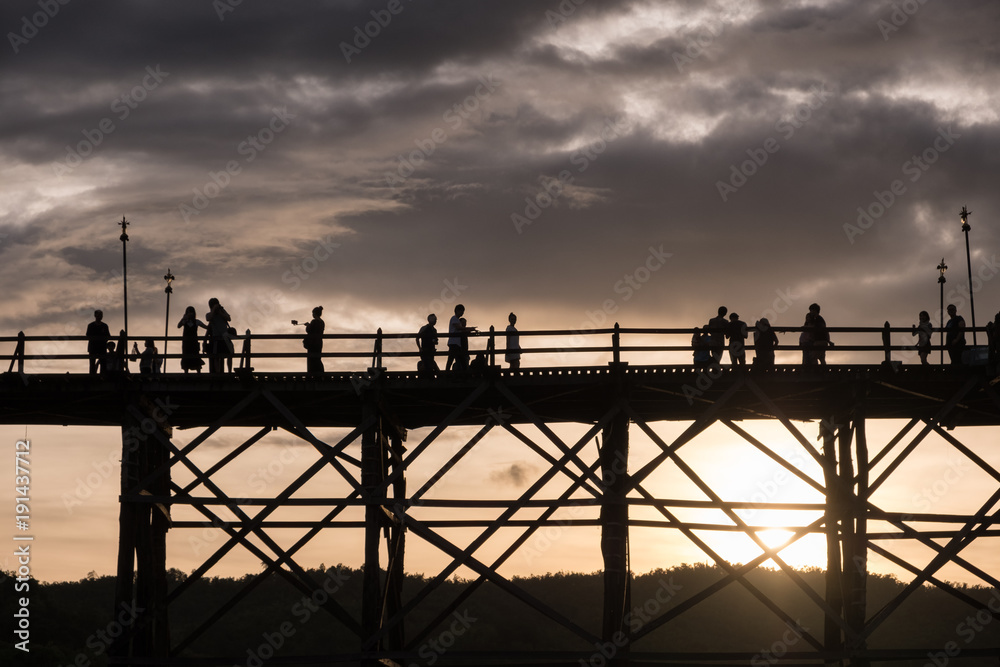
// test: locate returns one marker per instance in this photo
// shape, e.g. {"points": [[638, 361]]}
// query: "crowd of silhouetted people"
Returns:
{"points": [[709, 343]]}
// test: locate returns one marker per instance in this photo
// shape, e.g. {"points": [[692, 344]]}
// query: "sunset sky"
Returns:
{"points": [[579, 162]]}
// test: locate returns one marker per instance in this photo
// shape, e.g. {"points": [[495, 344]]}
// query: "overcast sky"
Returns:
{"points": [[559, 159]]}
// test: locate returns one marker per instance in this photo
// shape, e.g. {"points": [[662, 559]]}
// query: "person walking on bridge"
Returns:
{"points": [[190, 346], [97, 341], [954, 337], [217, 336], [427, 340], [717, 330], [313, 342]]}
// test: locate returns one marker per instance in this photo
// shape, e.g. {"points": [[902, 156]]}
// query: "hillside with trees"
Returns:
{"points": [[74, 619]]}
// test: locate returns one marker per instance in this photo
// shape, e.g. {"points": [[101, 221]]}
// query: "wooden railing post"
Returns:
{"points": [[616, 344], [886, 343], [491, 347], [245, 353], [18, 355], [377, 351]]}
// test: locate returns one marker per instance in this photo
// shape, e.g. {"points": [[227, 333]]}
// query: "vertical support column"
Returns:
{"points": [[371, 476], [614, 537], [857, 572], [141, 586], [832, 637], [397, 547], [159, 524], [127, 527]]}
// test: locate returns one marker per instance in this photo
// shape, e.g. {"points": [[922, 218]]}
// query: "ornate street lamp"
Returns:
{"points": [[124, 239], [968, 256], [942, 267], [166, 326]]}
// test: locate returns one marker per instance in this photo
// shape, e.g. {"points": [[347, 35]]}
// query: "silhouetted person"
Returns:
{"points": [[97, 341], [736, 332], [764, 342], [954, 335], [110, 363], [477, 367], [427, 340], [313, 342], [190, 341], [993, 336], [513, 354], [229, 351], [458, 344], [806, 340], [820, 335], [717, 331], [217, 336], [149, 360], [701, 343], [923, 332]]}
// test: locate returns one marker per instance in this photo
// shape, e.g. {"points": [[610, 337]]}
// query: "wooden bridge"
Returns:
{"points": [[624, 393]]}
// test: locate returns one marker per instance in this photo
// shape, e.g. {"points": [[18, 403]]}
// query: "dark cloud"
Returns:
{"points": [[748, 137], [516, 474]]}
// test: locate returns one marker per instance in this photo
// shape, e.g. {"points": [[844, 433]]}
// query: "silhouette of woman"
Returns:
{"points": [[190, 353]]}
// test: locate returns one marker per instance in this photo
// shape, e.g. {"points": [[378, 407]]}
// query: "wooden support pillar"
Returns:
{"points": [[371, 477], [614, 538], [396, 637], [856, 554], [141, 586], [127, 528], [832, 636]]}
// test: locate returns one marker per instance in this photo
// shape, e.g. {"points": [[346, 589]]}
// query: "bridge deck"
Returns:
{"points": [[562, 394]]}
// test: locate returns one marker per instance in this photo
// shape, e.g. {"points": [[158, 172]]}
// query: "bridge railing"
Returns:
{"points": [[347, 352]]}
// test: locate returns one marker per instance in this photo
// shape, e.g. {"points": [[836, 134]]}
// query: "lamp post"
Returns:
{"points": [[124, 239], [942, 267], [166, 325], [968, 256]]}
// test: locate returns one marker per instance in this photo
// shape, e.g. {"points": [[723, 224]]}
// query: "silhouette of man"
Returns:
{"points": [[97, 341], [764, 342], [954, 336], [820, 335], [717, 330], [427, 340], [456, 354], [217, 335], [313, 342], [736, 332], [513, 354]]}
